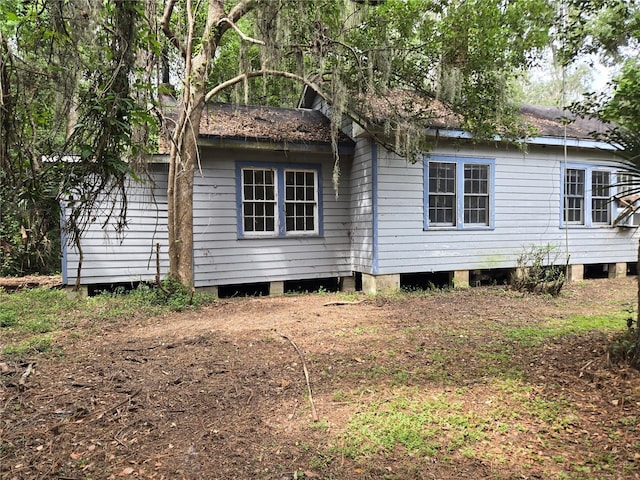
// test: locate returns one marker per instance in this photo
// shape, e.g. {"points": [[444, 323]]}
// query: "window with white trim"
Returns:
{"points": [[574, 193], [601, 197], [301, 202], [259, 200], [458, 192], [587, 196], [278, 200]]}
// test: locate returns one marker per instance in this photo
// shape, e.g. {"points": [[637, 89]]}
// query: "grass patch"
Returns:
{"points": [[536, 335], [557, 413], [421, 426], [34, 310], [26, 316], [38, 344]]}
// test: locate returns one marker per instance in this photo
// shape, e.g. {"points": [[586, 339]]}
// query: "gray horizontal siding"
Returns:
{"points": [[114, 257], [527, 211], [221, 258], [362, 208]]}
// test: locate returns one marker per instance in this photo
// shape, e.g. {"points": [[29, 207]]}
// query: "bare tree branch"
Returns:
{"points": [[243, 36], [166, 28], [260, 73], [240, 10]]}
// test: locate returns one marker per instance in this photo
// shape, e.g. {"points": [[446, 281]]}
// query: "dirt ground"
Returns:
{"points": [[219, 393]]}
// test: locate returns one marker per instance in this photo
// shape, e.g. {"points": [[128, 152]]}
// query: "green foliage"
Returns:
{"points": [[538, 271], [421, 426], [597, 26], [73, 104], [31, 313], [623, 348], [29, 232], [552, 84], [30, 346], [8, 318], [36, 310], [574, 325], [147, 300]]}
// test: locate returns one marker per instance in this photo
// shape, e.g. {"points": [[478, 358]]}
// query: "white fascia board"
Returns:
{"points": [[549, 141]]}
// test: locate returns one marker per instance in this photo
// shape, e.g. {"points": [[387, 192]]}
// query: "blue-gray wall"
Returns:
{"points": [[374, 225]]}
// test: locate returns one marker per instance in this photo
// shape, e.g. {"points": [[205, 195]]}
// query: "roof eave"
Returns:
{"points": [[584, 143], [344, 148]]}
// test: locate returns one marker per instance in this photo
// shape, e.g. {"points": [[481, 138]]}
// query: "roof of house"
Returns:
{"points": [[304, 126], [550, 122], [267, 123], [263, 123], [407, 105]]}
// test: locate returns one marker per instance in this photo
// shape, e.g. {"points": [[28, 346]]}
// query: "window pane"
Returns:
{"points": [[300, 204], [574, 196], [600, 184], [270, 224], [600, 192], [574, 182], [442, 177], [573, 210], [259, 200], [476, 194], [442, 193], [442, 209], [600, 210]]}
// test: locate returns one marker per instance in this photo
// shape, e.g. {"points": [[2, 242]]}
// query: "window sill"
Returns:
{"points": [[589, 227], [280, 237], [460, 229]]}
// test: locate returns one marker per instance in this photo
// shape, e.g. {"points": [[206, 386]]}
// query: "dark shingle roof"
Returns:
{"points": [[262, 123], [406, 105], [549, 122]]}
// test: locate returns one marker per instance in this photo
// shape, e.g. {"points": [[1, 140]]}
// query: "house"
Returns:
{"points": [[266, 211]]}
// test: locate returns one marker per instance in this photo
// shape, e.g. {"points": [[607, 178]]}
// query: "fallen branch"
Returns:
{"points": [[342, 302], [314, 414], [25, 375]]}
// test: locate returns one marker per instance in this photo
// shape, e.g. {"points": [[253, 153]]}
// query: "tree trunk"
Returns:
{"points": [[183, 160], [184, 147]]}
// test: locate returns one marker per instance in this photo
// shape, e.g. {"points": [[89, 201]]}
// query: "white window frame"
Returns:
{"points": [[587, 196], [461, 192], [281, 201], [264, 202]]}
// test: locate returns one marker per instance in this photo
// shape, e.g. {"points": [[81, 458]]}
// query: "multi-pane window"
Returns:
{"points": [[442, 193], [278, 201], [587, 196], [258, 200], [459, 192], [574, 196], [476, 194], [300, 202], [600, 202]]}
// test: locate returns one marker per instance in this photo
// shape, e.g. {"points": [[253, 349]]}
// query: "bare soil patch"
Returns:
{"points": [[217, 393]]}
